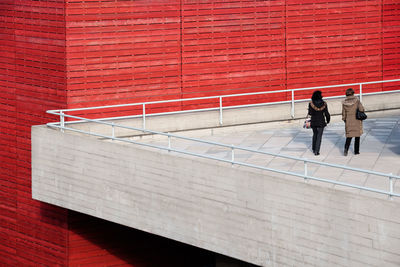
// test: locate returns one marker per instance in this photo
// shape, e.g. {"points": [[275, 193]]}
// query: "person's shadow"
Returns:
{"points": [[331, 134]]}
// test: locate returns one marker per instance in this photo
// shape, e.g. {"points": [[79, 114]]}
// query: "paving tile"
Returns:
{"points": [[378, 182]]}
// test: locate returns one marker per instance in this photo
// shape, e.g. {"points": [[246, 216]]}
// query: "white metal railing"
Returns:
{"points": [[221, 97], [62, 125]]}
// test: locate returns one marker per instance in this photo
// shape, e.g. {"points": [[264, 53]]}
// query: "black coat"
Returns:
{"points": [[318, 110]]}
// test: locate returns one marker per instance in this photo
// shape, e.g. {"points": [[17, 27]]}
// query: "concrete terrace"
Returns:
{"points": [[379, 149], [257, 216]]}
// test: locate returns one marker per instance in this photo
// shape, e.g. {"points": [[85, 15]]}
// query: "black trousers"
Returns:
{"points": [[317, 138], [356, 144]]}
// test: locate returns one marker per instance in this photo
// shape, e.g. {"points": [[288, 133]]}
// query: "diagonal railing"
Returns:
{"points": [[62, 125], [220, 98]]}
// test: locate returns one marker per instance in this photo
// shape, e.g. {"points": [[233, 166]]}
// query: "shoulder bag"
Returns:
{"points": [[307, 122], [360, 115]]}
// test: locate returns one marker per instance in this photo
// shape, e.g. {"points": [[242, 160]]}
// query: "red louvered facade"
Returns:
{"points": [[68, 53]]}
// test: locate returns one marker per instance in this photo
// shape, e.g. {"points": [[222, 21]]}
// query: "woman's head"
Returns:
{"points": [[349, 92], [316, 95]]}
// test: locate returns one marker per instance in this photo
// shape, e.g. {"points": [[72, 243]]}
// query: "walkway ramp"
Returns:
{"points": [[255, 215]]}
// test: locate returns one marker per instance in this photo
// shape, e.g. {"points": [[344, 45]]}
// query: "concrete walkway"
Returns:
{"points": [[379, 149]]}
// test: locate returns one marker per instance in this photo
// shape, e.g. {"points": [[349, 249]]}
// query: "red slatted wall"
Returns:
{"points": [[76, 53], [391, 46], [232, 47], [122, 51], [32, 80], [333, 43], [8, 161]]}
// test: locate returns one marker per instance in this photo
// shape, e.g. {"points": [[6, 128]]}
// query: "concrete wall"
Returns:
{"points": [[242, 213], [234, 117]]}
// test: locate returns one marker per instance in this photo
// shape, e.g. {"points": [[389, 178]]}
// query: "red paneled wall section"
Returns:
{"points": [[32, 80], [233, 47], [130, 51], [334, 42], [122, 51], [8, 165], [391, 46]]}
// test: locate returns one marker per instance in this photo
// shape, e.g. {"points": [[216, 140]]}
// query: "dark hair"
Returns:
{"points": [[316, 95], [349, 92]]}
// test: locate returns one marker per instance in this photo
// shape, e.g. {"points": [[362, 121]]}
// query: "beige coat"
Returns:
{"points": [[354, 127]]}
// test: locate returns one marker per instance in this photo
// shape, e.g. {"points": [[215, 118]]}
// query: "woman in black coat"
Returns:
{"points": [[320, 117]]}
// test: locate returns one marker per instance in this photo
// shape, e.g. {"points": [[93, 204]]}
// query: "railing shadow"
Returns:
{"points": [[386, 131]]}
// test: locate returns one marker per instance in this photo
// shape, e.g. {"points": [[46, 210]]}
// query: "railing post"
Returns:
{"points": [[144, 116], [391, 186], [62, 121], [112, 131], [292, 112], [361, 92], [169, 142], [305, 170], [220, 110], [232, 154]]}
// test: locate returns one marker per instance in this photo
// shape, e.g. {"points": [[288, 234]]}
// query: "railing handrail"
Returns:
{"points": [[224, 96], [61, 125]]}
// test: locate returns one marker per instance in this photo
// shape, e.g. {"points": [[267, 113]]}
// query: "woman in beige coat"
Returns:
{"points": [[354, 127]]}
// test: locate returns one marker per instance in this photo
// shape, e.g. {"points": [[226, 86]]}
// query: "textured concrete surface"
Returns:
{"points": [[257, 216]]}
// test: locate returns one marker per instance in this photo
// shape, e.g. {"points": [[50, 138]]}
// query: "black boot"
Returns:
{"points": [[357, 145], [346, 146]]}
